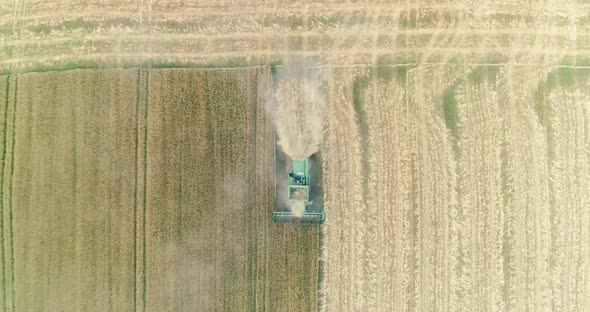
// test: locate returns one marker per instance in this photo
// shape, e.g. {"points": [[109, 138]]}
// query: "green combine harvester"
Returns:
{"points": [[298, 193]]}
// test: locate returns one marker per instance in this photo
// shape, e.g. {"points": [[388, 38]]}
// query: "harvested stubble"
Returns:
{"points": [[480, 205]]}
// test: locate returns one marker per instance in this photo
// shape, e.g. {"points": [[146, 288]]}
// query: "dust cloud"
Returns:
{"points": [[298, 114], [297, 208]]}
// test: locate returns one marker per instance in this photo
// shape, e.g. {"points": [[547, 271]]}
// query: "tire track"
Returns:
{"points": [[6, 98], [253, 93], [136, 203], [140, 188], [203, 57], [145, 183], [11, 199]]}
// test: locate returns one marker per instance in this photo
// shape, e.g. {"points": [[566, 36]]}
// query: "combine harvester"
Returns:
{"points": [[298, 197]]}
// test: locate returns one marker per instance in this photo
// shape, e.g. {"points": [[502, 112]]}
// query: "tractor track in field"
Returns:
{"points": [[10, 197], [274, 55], [2, 178]]}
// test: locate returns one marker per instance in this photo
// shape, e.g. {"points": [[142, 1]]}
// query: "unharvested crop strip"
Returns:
{"points": [[10, 194], [264, 180]]}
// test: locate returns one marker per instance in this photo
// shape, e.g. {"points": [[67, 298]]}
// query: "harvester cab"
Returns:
{"points": [[298, 190]]}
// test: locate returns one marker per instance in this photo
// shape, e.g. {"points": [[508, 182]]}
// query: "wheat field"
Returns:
{"points": [[130, 190], [456, 156]]}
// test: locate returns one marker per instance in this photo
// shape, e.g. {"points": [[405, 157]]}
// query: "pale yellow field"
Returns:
{"points": [[456, 153]]}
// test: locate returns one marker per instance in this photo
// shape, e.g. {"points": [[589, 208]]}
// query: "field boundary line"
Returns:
{"points": [[190, 57], [150, 30], [194, 66], [5, 132], [223, 11], [145, 156], [268, 124], [137, 99], [254, 188], [171, 36], [188, 68], [145, 146]]}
